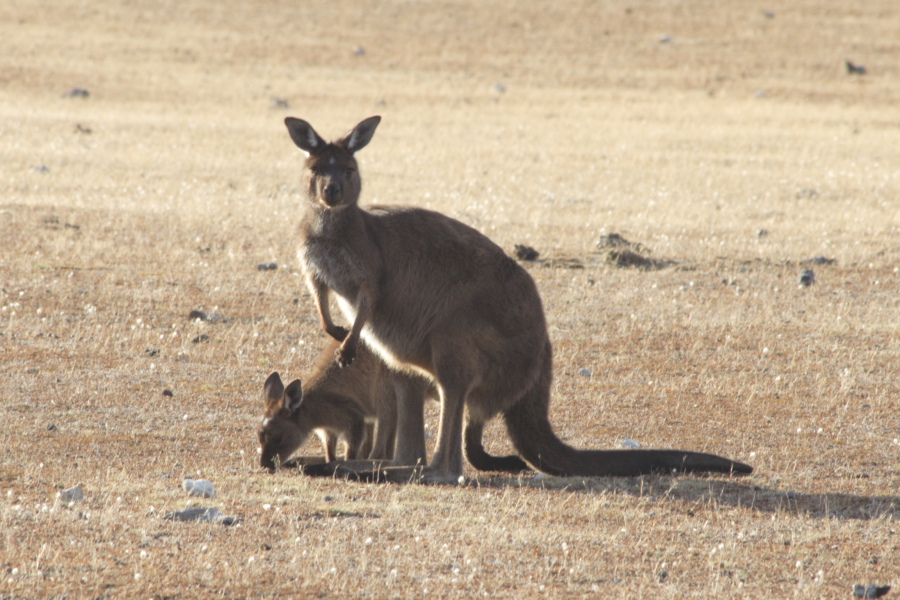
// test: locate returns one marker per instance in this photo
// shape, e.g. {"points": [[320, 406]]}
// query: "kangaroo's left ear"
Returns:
{"points": [[273, 391], [293, 396], [361, 135], [304, 135]]}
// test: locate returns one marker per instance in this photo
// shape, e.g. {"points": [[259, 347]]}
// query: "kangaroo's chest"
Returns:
{"points": [[332, 264]]}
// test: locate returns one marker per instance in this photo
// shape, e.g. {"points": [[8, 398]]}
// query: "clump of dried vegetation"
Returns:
{"points": [[730, 141]]}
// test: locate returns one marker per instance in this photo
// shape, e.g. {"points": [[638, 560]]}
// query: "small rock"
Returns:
{"points": [[152, 352], [328, 499], [200, 338], [215, 317], [79, 128], [807, 277], [807, 193], [51, 427], [613, 240], [762, 233], [280, 103], [662, 576], [41, 169], [854, 69], [769, 14], [199, 487], [629, 443], [209, 515], [168, 393], [196, 314], [267, 266], [818, 260], [359, 51], [500, 88], [870, 591], [666, 39], [585, 371], [77, 93], [523, 252], [73, 494]]}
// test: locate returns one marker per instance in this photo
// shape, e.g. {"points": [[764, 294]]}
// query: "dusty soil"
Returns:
{"points": [[727, 142]]}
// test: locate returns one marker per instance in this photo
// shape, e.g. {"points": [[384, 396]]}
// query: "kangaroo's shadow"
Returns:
{"points": [[698, 491]]}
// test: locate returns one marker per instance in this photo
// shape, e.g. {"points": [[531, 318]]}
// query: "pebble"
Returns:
{"points": [[77, 93], [209, 515], [199, 487], [73, 494], [524, 252], [870, 591], [629, 443], [168, 393], [807, 277], [196, 314], [267, 266], [818, 260], [585, 371], [855, 69], [200, 338]]}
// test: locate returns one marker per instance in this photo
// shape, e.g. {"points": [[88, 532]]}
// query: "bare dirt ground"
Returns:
{"points": [[726, 140]]}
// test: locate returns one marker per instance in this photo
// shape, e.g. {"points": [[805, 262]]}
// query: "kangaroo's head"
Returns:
{"points": [[331, 170], [280, 435]]}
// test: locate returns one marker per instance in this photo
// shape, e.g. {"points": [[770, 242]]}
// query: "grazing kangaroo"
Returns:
{"points": [[338, 402], [432, 295]]}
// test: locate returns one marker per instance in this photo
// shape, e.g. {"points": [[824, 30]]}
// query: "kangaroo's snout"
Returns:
{"points": [[331, 193]]}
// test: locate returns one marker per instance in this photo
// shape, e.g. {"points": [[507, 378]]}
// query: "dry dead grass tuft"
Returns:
{"points": [[729, 144]]}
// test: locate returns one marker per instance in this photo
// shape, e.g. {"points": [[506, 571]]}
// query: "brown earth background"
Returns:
{"points": [[726, 140]]}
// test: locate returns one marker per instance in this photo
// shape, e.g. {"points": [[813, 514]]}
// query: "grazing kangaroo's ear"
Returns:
{"points": [[361, 135], [304, 135], [274, 389], [293, 396]]}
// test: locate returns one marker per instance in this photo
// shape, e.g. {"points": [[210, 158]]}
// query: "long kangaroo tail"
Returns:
{"points": [[531, 433], [483, 461]]}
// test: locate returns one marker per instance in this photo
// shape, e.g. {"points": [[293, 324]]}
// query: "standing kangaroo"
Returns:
{"points": [[435, 296]]}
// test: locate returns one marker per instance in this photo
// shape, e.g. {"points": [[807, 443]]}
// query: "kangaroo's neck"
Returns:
{"points": [[332, 223], [324, 410]]}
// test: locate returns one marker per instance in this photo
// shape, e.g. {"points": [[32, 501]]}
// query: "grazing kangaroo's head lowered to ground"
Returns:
{"points": [[433, 295]]}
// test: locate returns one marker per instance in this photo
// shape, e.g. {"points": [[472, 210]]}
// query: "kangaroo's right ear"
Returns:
{"points": [[293, 396], [304, 135]]}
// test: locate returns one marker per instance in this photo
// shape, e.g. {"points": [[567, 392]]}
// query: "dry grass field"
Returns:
{"points": [[726, 140]]}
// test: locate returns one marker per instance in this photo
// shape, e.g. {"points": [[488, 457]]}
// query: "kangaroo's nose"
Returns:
{"points": [[332, 192]]}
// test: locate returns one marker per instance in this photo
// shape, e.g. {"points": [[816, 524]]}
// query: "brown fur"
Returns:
{"points": [[339, 401], [435, 296]]}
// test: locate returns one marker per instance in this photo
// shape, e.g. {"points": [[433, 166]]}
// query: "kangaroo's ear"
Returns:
{"points": [[304, 135], [273, 390], [293, 396], [361, 135]]}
